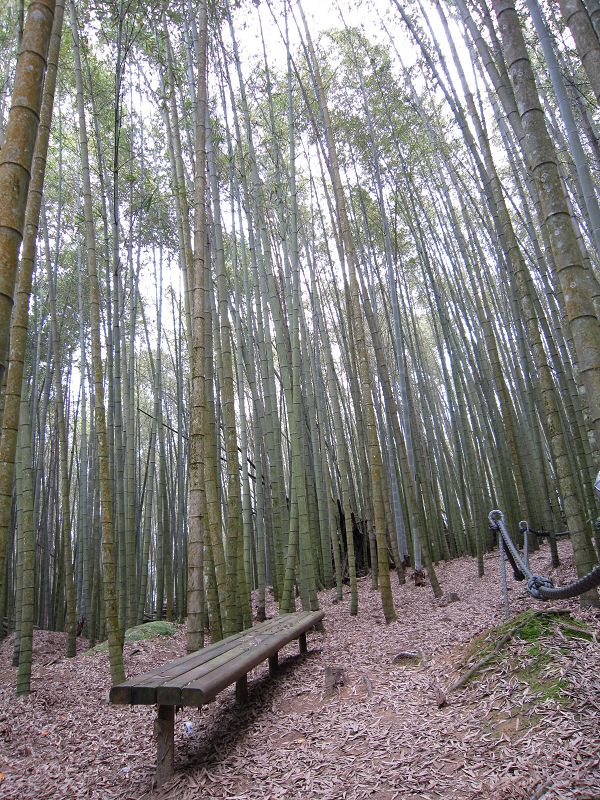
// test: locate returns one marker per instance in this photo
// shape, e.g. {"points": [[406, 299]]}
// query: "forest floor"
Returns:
{"points": [[511, 732]]}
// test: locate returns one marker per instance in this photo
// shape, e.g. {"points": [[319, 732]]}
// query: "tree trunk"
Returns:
{"points": [[197, 501], [570, 272], [108, 557], [16, 155], [586, 40]]}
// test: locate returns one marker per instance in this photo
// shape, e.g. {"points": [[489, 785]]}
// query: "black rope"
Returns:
{"points": [[548, 534], [589, 581], [518, 575], [538, 586]]}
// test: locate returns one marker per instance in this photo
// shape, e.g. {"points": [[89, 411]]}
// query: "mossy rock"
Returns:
{"points": [[150, 630]]}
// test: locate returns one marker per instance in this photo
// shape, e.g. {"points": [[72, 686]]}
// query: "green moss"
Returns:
{"points": [[555, 690], [576, 632], [539, 654], [528, 625], [534, 668], [532, 626], [577, 623], [545, 687], [534, 672], [150, 630]]}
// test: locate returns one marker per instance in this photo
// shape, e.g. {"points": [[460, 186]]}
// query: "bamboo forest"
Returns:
{"points": [[299, 399]]}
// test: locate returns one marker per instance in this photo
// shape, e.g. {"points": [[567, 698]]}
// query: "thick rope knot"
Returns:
{"points": [[539, 587], [536, 583]]}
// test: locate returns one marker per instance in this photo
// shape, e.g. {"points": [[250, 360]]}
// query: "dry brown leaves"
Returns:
{"points": [[382, 735]]}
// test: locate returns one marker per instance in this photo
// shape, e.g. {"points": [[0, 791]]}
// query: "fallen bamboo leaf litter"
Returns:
{"points": [[289, 743]]}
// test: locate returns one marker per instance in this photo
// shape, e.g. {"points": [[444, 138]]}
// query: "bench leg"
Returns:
{"points": [[273, 662], [302, 643], [164, 729], [241, 689]]}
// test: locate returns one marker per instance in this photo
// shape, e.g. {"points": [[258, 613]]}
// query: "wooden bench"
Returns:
{"points": [[197, 678]]}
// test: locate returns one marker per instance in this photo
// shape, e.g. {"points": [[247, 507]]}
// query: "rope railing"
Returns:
{"points": [[538, 586], [547, 534]]}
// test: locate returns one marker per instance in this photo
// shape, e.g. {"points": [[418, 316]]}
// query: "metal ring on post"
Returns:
{"points": [[495, 517]]}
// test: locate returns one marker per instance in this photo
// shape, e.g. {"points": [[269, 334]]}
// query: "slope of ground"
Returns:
{"points": [[526, 726]]}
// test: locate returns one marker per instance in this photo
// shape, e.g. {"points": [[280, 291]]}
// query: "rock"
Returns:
{"points": [[149, 630], [406, 658]]}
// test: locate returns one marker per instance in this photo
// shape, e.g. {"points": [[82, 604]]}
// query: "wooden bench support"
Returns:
{"points": [[273, 664], [164, 729], [241, 690], [197, 678]]}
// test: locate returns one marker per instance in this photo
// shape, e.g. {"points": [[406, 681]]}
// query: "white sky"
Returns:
{"points": [[322, 15]]}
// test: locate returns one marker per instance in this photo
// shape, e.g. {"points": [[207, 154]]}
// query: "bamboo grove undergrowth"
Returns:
{"points": [[286, 303]]}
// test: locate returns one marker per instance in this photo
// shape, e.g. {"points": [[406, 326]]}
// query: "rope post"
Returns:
{"points": [[524, 528], [596, 527], [553, 549], [503, 582], [494, 518]]}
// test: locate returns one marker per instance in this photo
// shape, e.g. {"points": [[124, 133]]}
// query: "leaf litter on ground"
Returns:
{"points": [[526, 726]]}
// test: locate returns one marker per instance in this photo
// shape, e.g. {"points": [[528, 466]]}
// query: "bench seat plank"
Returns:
{"points": [[141, 690], [184, 661], [203, 689], [187, 681], [170, 690]]}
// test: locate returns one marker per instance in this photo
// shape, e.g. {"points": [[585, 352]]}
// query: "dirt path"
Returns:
{"points": [[381, 735]]}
